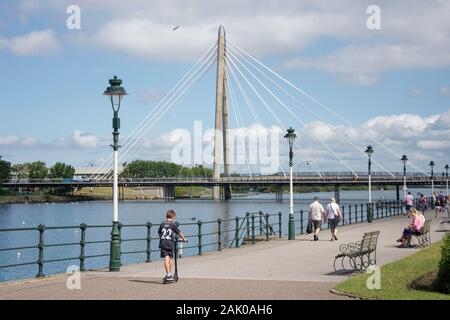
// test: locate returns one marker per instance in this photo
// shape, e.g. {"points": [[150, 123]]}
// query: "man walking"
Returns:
{"points": [[409, 202], [316, 213]]}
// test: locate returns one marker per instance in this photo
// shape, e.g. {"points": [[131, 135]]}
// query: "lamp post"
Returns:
{"points": [[369, 151], [290, 136], [431, 164], [115, 93], [404, 160], [446, 176]]}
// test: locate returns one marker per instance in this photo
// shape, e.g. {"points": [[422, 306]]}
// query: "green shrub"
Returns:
{"points": [[442, 281]]}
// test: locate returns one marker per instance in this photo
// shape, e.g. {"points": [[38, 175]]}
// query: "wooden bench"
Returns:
{"points": [[420, 239], [360, 255]]}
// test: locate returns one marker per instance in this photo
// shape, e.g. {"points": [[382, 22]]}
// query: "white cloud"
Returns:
{"points": [[33, 43], [29, 141], [84, 140], [417, 92], [9, 140], [444, 91]]}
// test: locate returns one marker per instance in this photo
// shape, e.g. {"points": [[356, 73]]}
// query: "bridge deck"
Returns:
{"points": [[278, 269]]}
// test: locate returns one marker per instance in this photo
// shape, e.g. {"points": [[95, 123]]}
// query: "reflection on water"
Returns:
{"points": [[99, 213]]}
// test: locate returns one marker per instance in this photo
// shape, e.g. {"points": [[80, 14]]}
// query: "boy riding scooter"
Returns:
{"points": [[167, 232]]}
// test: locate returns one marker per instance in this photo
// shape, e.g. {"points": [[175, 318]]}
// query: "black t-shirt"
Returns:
{"points": [[167, 231]]}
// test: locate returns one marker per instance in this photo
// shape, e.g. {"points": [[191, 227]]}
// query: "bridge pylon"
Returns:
{"points": [[221, 120]]}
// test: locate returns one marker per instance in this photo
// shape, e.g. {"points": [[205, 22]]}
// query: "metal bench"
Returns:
{"points": [[420, 239], [445, 225], [360, 255]]}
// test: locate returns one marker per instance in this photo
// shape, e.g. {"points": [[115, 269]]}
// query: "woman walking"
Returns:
{"points": [[334, 215]]}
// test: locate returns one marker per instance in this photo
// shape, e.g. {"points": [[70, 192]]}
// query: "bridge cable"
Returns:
{"points": [[279, 122], [290, 111], [313, 113], [252, 110], [239, 122], [323, 106], [160, 104], [161, 113]]}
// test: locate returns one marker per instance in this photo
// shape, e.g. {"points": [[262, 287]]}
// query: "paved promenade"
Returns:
{"points": [[278, 269]]}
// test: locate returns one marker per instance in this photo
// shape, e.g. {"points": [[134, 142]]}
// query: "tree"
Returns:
{"points": [[20, 170], [442, 281], [5, 170], [37, 170], [159, 169], [62, 170]]}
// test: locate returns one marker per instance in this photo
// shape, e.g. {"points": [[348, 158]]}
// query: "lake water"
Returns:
{"points": [[99, 213]]}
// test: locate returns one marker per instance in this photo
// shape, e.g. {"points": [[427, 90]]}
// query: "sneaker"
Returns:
{"points": [[335, 238], [315, 238], [332, 239], [170, 279]]}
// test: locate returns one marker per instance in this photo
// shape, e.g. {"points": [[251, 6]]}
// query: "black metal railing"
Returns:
{"points": [[89, 242], [212, 235]]}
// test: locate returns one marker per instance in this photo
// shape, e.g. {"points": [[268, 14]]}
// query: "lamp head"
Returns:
{"points": [[431, 164], [369, 151], [290, 135], [404, 159], [115, 92]]}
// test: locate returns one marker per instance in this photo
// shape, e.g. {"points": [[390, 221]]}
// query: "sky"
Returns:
{"points": [[384, 77]]}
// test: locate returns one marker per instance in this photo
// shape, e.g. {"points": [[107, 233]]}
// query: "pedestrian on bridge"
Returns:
{"points": [[316, 213], [334, 215]]}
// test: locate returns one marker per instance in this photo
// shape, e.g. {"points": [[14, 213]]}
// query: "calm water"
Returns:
{"points": [[99, 213]]}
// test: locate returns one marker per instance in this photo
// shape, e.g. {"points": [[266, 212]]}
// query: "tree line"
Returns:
{"points": [[35, 170], [134, 169], [161, 169]]}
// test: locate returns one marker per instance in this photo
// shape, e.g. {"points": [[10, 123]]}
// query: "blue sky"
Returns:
{"points": [[52, 80]]}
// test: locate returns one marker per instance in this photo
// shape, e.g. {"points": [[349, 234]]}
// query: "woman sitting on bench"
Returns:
{"points": [[417, 221]]}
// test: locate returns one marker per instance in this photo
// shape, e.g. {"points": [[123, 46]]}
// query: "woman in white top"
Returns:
{"points": [[333, 214]]}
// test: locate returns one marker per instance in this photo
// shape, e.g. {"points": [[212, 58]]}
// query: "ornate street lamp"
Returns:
{"points": [[446, 176], [115, 93], [290, 136], [431, 164], [404, 160], [369, 151]]}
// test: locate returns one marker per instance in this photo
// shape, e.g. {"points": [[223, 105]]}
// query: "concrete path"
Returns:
{"points": [[278, 269]]}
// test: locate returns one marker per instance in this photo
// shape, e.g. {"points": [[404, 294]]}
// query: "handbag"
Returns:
{"points": [[309, 227], [337, 217]]}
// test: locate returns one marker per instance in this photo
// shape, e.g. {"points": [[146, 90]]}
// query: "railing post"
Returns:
{"points": [[199, 237], [362, 212], [260, 223], [279, 225], [378, 211], [343, 215], [301, 221], [149, 241], [350, 214], [236, 235], [267, 226], [219, 234], [356, 213], [41, 245], [83, 227], [390, 208], [253, 229], [247, 217]]}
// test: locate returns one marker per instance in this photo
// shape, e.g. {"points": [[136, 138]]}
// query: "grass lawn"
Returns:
{"points": [[397, 276]]}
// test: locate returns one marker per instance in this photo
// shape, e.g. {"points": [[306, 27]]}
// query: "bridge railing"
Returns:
{"points": [[87, 246], [328, 176], [57, 247]]}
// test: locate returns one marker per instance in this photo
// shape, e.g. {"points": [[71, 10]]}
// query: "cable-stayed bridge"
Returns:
{"points": [[243, 80]]}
